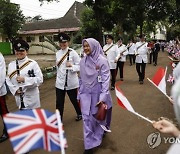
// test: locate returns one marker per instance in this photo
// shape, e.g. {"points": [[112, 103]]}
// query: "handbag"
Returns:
{"points": [[101, 113]]}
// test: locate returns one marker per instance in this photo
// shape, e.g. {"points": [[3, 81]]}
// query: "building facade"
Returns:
{"points": [[36, 33]]}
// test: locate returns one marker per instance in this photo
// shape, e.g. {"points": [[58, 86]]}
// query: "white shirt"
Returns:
{"points": [[2, 76], [111, 54], [131, 50], [122, 49], [142, 52], [29, 86], [72, 78]]}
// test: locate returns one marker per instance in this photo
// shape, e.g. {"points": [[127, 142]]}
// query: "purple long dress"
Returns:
{"points": [[91, 92]]}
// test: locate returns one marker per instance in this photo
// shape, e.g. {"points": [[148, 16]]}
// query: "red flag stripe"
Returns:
{"points": [[122, 100], [158, 76], [120, 103]]}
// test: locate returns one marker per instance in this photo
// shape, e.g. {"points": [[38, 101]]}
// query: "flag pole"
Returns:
{"points": [[60, 131], [159, 89], [143, 117]]}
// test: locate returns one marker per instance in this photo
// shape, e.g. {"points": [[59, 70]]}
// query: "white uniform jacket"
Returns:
{"points": [[121, 49], [111, 54], [30, 88], [142, 52], [2, 76], [131, 50], [72, 76]]}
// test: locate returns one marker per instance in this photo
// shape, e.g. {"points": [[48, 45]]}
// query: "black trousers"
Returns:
{"points": [[151, 57], [60, 98], [120, 65], [3, 109], [155, 57], [140, 68], [113, 77], [132, 59]]}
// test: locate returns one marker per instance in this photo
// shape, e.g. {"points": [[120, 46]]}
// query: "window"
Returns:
{"points": [[33, 38], [41, 38], [49, 37], [28, 39], [55, 38]]}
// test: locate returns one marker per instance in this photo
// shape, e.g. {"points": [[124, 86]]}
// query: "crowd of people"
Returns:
{"points": [[87, 91]]}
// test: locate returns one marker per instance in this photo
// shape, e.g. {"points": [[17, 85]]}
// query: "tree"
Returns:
{"points": [[100, 10], [52, 45], [89, 24], [125, 16], [150, 11], [33, 19], [37, 18], [11, 18]]}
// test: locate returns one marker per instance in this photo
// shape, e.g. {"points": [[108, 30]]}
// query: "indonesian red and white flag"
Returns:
{"points": [[159, 79], [122, 100], [124, 103]]}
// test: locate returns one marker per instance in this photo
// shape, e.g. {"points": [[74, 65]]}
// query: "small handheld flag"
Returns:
{"points": [[34, 129], [159, 81], [124, 103]]}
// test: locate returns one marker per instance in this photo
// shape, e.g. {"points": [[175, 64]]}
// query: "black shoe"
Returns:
{"points": [[104, 135], [78, 118], [89, 151], [4, 137], [112, 87], [155, 64], [141, 82]]}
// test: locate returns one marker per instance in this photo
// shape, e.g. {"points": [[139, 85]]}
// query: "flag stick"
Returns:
{"points": [[142, 117], [170, 58], [60, 131], [159, 89]]}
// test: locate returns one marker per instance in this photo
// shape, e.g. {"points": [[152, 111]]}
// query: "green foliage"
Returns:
{"points": [[173, 32], [89, 24], [127, 16], [11, 18]]}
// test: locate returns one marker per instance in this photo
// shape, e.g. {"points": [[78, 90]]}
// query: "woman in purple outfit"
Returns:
{"points": [[94, 89]]}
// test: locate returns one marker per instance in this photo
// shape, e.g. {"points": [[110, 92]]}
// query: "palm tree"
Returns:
{"points": [[53, 46]]}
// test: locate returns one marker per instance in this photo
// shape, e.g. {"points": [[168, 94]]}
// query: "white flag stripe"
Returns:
{"points": [[158, 88], [162, 85], [124, 101]]}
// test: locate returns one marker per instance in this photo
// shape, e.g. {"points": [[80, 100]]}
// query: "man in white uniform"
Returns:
{"points": [[67, 61], [110, 51], [131, 49], [121, 57], [3, 106], [24, 77], [141, 58]]}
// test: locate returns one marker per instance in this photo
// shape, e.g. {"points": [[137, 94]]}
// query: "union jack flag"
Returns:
{"points": [[33, 129]]}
